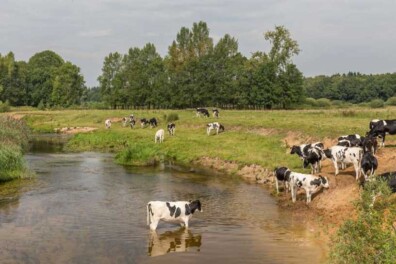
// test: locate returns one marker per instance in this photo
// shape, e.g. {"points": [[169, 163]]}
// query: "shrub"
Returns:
{"points": [[310, 101], [377, 103], [172, 117], [41, 105], [323, 102], [391, 101], [369, 238], [4, 107]]}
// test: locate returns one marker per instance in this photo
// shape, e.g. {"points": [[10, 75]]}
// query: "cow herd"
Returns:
{"points": [[355, 150], [350, 149], [171, 127]]}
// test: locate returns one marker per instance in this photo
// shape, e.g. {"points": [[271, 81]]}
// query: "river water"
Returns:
{"points": [[84, 208]]}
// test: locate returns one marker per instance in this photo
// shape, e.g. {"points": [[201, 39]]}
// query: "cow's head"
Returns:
{"points": [[324, 181], [195, 205], [327, 153], [294, 149]]}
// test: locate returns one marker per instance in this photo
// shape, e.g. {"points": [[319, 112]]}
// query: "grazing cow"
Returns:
{"points": [[179, 212], [282, 174], [350, 141], [390, 178], [216, 126], [153, 122], [303, 150], [144, 122], [383, 127], [368, 165], [159, 136], [370, 144], [310, 183], [108, 123], [181, 240], [125, 121], [215, 113], [202, 111], [171, 129], [345, 155], [314, 156]]}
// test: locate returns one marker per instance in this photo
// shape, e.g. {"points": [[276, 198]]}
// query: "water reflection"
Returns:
{"points": [[173, 241]]}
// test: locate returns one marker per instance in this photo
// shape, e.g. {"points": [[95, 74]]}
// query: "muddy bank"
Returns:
{"points": [[330, 207]]}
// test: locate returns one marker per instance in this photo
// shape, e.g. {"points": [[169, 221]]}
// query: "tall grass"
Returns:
{"points": [[14, 136]]}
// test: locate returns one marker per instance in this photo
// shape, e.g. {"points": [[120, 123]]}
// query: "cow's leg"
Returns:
{"points": [[383, 140], [294, 193], [357, 171], [336, 167], [308, 197], [277, 185]]}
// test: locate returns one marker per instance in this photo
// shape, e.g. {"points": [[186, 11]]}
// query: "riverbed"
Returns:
{"points": [[84, 208]]}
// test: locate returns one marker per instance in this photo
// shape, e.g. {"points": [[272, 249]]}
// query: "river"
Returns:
{"points": [[84, 208]]}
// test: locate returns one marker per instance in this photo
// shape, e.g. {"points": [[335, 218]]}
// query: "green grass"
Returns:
{"points": [[370, 238], [242, 141], [13, 140]]}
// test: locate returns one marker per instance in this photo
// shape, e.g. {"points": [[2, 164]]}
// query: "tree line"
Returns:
{"points": [[352, 87], [46, 79], [196, 72]]}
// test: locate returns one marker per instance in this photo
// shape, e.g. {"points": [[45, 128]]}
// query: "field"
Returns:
{"points": [[254, 142]]}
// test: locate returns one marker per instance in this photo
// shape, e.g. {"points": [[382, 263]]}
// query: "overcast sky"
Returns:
{"points": [[335, 36]]}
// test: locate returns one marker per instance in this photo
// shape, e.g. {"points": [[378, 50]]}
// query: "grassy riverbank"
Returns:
{"points": [[13, 140], [258, 138], [251, 137]]}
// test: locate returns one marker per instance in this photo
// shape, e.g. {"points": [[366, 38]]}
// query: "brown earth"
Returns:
{"points": [[74, 130], [329, 207]]}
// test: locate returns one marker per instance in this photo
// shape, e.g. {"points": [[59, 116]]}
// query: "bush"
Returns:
{"points": [[41, 105], [310, 101], [172, 117], [391, 101], [369, 238], [323, 102], [4, 107], [377, 103]]}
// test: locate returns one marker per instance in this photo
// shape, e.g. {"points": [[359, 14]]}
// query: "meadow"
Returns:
{"points": [[250, 137]]}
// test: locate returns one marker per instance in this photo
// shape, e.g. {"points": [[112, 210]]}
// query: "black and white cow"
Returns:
{"points": [[302, 150], [214, 126], [390, 178], [282, 174], [345, 155], [305, 150], [108, 123], [383, 127], [370, 144], [314, 156], [176, 212], [354, 140], [310, 183], [153, 122], [215, 113], [202, 111], [171, 129], [144, 122], [368, 165]]}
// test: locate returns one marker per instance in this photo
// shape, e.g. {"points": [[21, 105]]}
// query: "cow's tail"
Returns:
{"points": [[148, 213]]}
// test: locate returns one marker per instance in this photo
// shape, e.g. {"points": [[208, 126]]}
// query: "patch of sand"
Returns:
{"points": [[74, 130]]}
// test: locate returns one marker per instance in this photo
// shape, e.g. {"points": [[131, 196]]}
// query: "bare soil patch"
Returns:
{"points": [[74, 130]]}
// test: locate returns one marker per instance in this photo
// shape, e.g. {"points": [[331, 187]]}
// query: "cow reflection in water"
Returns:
{"points": [[173, 241]]}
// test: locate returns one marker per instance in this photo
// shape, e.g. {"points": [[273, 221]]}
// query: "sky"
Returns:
{"points": [[334, 36]]}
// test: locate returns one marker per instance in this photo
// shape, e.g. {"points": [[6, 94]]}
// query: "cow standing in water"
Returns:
{"points": [[174, 212]]}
